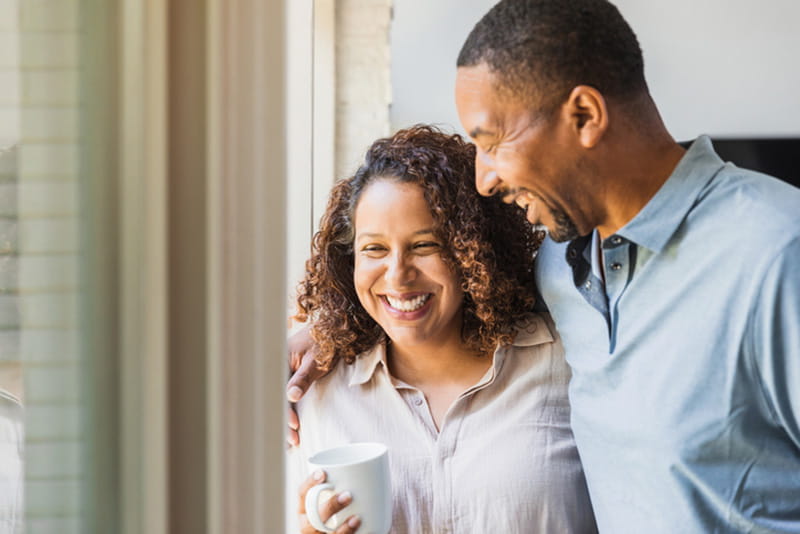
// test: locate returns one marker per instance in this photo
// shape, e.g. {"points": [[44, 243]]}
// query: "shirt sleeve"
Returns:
{"points": [[776, 338]]}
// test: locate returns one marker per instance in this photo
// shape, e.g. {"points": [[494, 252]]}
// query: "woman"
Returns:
{"points": [[423, 288]]}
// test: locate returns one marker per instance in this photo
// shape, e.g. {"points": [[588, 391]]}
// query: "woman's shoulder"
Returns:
{"points": [[535, 328], [342, 376], [537, 349]]}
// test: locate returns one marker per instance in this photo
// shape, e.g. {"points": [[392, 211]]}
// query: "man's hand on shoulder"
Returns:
{"points": [[304, 371]]}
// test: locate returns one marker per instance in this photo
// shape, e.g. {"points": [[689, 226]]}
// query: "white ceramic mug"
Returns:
{"points": [[363, 470]]}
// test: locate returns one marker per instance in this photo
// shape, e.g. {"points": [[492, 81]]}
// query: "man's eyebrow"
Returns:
{"points": [[478, 131]]}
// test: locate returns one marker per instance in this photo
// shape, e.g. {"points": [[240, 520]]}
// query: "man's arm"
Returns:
{"points": [[303, 367], [776, 338]]}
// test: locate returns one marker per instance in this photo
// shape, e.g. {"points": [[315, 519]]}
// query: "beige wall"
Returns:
{"points": [[363, 78]]}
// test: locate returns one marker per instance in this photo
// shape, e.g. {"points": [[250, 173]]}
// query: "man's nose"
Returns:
{"points": [[486, 181]]}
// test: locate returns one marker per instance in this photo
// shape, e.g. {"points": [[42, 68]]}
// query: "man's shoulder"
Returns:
{"points": [[751, 197], [550, 250]]}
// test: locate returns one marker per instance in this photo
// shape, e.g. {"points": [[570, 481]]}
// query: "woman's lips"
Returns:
{"points": [[408, 307]]}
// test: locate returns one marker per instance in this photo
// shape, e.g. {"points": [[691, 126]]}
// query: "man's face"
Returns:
{"points": [[529, 160]]}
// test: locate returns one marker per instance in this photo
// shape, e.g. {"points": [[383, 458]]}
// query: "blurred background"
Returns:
{"points": [[162, 166]]}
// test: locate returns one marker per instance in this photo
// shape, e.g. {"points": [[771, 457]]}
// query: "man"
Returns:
{"points": [[671, 275]]}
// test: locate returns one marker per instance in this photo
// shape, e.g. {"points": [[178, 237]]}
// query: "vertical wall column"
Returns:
{"points": [[246, 257]]}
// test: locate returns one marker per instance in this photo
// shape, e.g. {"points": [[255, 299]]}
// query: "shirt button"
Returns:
{"points": [[616, 240], [418, 402], [588, 284], [616, 266]]}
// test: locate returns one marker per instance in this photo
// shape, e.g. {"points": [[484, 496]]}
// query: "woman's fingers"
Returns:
{"points": [[349, 526], [334, 505], [317, 477], [327, 509]]}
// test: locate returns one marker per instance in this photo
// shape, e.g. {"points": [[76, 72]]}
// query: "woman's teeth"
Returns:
{"points": [[408, 305]]}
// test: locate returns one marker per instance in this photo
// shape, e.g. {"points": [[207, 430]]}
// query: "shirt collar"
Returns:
{"points": [[367, 363], [660, 218], [531, 331]]}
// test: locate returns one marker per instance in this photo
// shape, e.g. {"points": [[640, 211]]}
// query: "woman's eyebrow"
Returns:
{"points": [[425, 231], [376, 234]]}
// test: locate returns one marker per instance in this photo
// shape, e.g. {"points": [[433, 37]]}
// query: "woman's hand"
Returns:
{"points": [[333, 505], [303, 366]]}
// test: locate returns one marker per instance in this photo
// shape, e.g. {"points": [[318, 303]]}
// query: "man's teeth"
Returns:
{"points": [[408, 305], [523, 200]]}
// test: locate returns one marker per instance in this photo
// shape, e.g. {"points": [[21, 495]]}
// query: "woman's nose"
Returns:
{"points": [[400, 270]]}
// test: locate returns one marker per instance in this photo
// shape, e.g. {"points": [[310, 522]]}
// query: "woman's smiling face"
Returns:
{"points": [[400, 274]]}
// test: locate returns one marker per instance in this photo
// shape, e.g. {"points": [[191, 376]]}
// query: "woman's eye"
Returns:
{"points": [[373, 250], [427, 246]]}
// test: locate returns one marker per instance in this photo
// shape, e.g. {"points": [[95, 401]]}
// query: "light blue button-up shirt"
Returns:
{"points": [[686, 357]]}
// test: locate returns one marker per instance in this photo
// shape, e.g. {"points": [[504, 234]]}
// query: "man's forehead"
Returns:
{"points": [[479, 103], [474, 76], [474, 94]]}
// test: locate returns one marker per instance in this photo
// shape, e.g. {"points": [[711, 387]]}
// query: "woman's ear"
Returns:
{"points": [[588, 114]]}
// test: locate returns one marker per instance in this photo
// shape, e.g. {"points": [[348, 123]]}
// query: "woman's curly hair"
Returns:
{"points": [[489, 245]]}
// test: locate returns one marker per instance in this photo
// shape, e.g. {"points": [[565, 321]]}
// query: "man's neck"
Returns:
{"points": [[636, 171]]}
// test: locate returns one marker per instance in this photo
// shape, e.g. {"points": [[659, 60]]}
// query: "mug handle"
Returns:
{"points": [[312, 507]]}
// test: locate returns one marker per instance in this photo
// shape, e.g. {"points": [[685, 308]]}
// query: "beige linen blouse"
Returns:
{"points": [[504, 459]]}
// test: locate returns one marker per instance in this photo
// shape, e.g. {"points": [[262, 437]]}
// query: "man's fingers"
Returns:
{"points": [[298, 344], [292, 438], [305, 375], [292, 435], [295, 389]]}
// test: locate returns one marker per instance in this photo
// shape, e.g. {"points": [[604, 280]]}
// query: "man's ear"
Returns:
{"points": [[588, 114]]}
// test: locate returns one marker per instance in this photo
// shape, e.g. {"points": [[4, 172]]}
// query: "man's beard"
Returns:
{"points": [[565, 228]]}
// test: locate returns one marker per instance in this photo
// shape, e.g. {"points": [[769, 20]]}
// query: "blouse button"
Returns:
{"points": [[418, 402], [616, 266]]}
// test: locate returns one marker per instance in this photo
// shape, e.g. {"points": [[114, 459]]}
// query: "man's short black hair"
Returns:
{"points": [[541, 49]]}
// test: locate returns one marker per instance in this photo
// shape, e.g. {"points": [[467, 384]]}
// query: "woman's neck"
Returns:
{"points": [[435, 364]]}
